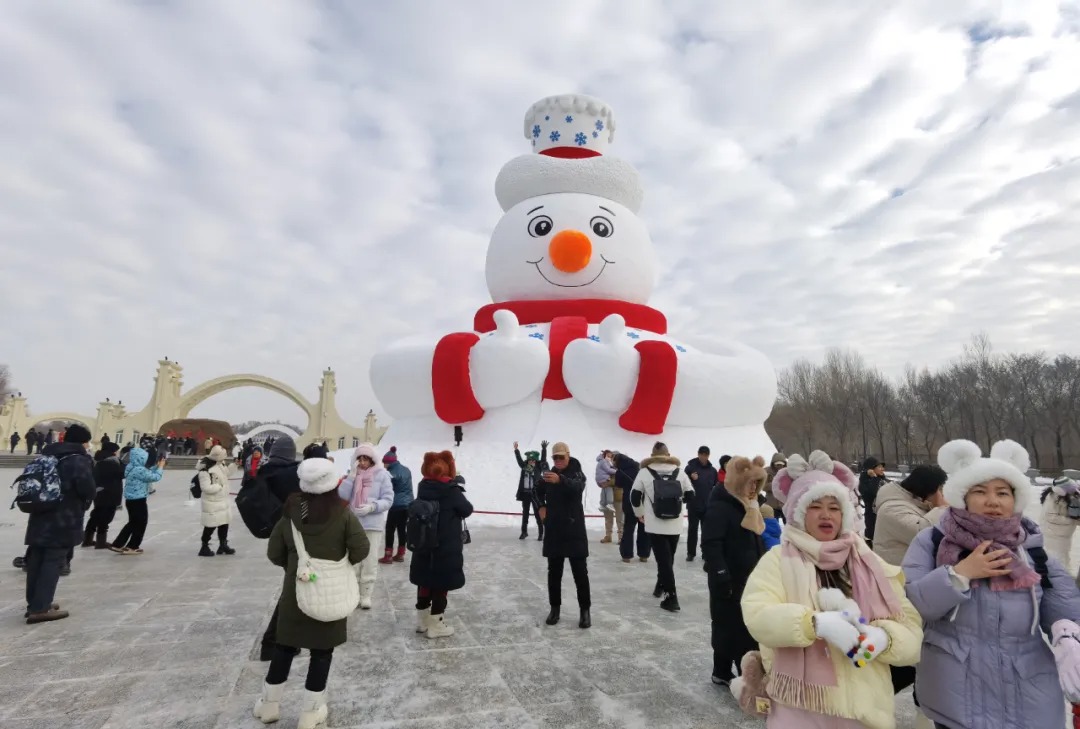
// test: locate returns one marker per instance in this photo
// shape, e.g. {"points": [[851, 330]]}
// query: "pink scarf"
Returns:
{"points": [[803, 677], [362, 482], [965, 531]]}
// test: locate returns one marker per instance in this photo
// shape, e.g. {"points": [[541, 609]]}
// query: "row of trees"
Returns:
{"points": [[850, 409]]}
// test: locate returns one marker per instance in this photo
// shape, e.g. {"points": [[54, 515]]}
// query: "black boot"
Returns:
{"points": [[524, 534], [586, 619], [66, 569], [540, 537], [206, 551], [266, 652], [553, 616], [658, 591], [671, 603], [224, 548], [102, 540], [88, 538]]}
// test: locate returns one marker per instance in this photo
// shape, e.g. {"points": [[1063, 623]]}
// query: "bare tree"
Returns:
{"points": [[5, 380]]}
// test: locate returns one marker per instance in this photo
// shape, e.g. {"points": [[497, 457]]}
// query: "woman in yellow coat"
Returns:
{"points": [[830, 616]]}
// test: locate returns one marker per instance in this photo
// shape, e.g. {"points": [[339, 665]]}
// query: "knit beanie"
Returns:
{"points": [[966, 467], [924, 481], [391, 456], [76, 433], [110, 448]]}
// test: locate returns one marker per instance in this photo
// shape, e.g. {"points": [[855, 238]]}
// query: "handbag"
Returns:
{"points": [[326, 589], [466, 537]]}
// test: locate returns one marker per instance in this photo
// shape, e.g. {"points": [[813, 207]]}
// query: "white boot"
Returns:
{"points": [[922, 721], [423, 617], [313, 711], [268, 706], [366, 588], [438, 627]]}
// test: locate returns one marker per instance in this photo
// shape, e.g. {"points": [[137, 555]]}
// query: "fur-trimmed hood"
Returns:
{"points": [[661, 461]]}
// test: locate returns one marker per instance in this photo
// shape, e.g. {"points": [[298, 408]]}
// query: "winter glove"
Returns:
{"points": [[1066, 647], [687, 497], [365, 509], [837, 630], [872, 643]]}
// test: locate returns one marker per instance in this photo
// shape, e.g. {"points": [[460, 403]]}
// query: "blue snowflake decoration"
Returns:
{"points": [[536, 130], [569, 119], [537, 335], [680, 347], [633, 335], [580, 139], [594, 337], [530, 326], [599, 125], [554, 136], [595, 134]]}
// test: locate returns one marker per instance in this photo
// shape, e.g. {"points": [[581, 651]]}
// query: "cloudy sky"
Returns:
{"points": [[279, 187]]}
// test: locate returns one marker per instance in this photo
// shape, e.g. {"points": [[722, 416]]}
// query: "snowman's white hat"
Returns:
{"points": [[569, 134]]}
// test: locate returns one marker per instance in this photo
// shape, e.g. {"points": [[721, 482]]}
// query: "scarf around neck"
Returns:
{"points": [[806, 677], [964, 531]]}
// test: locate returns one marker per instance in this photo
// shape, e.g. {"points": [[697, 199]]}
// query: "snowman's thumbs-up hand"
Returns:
{"points": [[506, 367], [506, 324], [602, 372]]}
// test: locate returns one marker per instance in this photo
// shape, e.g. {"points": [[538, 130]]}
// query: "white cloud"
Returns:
{"points": [[282, 187]]}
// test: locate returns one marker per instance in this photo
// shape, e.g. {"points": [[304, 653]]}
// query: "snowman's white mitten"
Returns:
{"points": [[836, 629], [507, 366], [872, 643], [603, 374]]}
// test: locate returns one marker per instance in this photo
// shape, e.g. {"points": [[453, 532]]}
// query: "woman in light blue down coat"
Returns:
{"points": [[137, 480], [369, 491], [985, 663]]}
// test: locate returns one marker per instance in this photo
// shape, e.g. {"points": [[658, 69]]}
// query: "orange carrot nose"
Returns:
{"points": [[570, 251]]}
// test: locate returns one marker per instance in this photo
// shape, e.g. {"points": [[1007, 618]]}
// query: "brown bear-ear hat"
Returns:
{"points": [[439, 465], [745, 477]]}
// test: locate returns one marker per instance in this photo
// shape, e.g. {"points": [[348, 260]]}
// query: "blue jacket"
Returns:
{"points": [[137, 477], [401, 477], [771, 535]]}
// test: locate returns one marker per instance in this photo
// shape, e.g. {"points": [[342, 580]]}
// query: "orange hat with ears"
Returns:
{"points": [[439, 465]]}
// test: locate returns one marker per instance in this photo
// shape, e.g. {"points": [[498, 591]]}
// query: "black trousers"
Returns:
{"points": [[43, 565], [525, 504], [396, 519], [270, 636], [132, 533], [97, 526], [580, 570], [318, 667], [730, 638], [222, 534], [626, 546], [694, 518], [664, 547], [434, 599]]}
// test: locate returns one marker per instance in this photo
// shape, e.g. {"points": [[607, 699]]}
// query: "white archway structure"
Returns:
{"points": [[271, 428]]}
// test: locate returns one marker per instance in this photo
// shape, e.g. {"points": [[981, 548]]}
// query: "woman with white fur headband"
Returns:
{"points": [[830, 616], [985, 587]]}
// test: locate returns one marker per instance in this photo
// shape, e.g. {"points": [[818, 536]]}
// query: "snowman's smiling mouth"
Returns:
{"points": [[571, 286]]}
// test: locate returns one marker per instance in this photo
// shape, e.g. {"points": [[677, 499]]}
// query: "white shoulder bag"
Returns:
{"points": [[326, 589]]}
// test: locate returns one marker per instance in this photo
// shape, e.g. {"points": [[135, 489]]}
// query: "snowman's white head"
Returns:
{"points": [[570, 246]]}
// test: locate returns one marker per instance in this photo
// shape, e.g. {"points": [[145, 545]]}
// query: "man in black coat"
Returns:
{"points": [[50, 534], [559, 494], [532, 465], [626, 470], [730, 552], [702, 477], [109, 481], [871, 480]]}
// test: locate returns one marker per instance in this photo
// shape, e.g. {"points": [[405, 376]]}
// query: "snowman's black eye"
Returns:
{"points": [[601, 226], [540, 226]]}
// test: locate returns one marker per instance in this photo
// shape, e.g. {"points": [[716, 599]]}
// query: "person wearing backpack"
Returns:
{"points": [[398, 516], [137, 480], [660, 490], [331, 532], [216, 510], [435, 535], [109, 477], [52, 532], [990, 597], [370, 494], [559, 494]]}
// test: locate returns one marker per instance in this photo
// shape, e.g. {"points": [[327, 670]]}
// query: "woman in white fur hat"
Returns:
{"points": [[988, 592], [330, 531], [216, 509], [369, 490]]}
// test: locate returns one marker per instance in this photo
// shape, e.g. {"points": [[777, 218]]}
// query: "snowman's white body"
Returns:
{"points": [[520, 391]]}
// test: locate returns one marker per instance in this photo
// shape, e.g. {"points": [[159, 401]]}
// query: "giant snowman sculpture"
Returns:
{"points": [[569, 350]]}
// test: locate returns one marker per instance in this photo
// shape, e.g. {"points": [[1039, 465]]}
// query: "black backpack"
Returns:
{"points": [[259, 507], [1038, 556], [196, 489], [667, 495], [422, 527]]}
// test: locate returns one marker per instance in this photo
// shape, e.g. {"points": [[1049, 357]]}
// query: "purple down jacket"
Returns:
{"points": [[984, 662]]}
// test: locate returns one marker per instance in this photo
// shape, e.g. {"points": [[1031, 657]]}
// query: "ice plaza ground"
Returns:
{"points": [[168, 639]]}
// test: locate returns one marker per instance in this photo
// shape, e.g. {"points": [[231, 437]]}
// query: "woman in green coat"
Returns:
{"points": [[330, 531]]}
